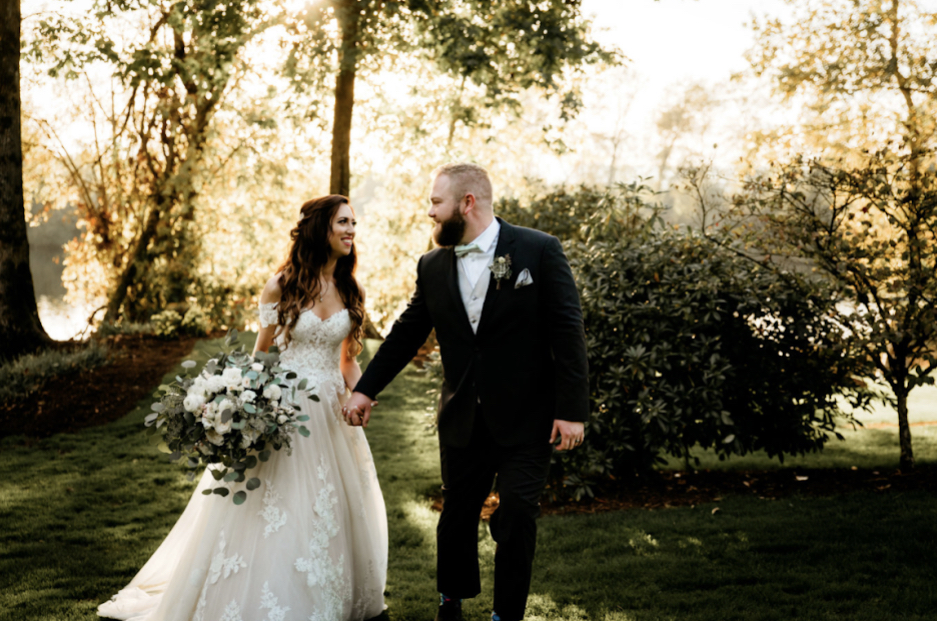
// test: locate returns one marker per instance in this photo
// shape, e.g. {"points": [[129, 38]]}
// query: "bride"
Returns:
{"points": [[311, 543]]}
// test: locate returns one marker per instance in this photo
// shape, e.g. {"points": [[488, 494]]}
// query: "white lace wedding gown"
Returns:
{"points": [[309, 544]]}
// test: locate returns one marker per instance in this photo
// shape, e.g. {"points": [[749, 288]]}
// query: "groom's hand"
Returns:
{"points": [[357, 410], [570, 434]]}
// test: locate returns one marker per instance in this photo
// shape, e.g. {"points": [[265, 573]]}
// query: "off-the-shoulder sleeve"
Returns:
{"points": [[268, 314]]}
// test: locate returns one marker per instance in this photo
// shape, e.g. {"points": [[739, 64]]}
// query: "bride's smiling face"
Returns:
{"points": [[342, 234]]}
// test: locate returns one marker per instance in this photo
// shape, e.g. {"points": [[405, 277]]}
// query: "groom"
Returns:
{"points": [[507, 317]]}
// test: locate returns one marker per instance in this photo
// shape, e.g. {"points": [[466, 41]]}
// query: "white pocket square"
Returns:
{"points": [[523, 279]]}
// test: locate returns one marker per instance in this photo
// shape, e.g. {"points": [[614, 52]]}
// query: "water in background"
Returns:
{"points": [[61, 320]]}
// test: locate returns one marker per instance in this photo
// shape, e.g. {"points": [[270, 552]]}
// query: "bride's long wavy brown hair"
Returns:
{"points": [[309, 252]]}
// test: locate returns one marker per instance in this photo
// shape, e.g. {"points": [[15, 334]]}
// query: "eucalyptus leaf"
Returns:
{"points": [[264, 455], [303, 431], [221, 491], [206, 492], [231, 476], [239, 497], [253, 484]]}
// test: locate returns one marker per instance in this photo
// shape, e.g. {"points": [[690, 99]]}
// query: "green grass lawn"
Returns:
{"points": [[79, 514]]}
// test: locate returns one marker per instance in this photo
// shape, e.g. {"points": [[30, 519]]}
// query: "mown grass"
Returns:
{"points": [[79, 514]]}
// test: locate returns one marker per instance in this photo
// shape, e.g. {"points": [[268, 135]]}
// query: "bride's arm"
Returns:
{"points": [[349, 362], [270, 295]]}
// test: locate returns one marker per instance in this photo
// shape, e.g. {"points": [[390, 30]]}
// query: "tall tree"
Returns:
{"points": [[499, 48], [20, 328], [868, 72], [139, 194]]}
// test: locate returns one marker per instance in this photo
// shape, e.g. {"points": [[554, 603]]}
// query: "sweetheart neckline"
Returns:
{"points": [[309, 310], [321, 320]]}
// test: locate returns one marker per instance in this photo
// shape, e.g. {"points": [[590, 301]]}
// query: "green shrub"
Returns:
{"points": [[129, 328], [194, 322], [690, 345], [170, 324], [585, 212], [166, 324], [26, 374]]}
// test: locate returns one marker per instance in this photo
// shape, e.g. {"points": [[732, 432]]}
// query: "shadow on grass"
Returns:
{"points": [[860, 556]]}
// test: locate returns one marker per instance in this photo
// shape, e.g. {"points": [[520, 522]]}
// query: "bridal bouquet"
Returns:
{"points": [[235, 411]]}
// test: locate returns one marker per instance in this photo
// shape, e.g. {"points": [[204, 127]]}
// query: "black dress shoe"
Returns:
{"points": [[450, 611]]}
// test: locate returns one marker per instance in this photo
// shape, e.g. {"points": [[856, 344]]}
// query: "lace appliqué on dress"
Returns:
{"points": [[272, 515], [268, 314], [320, 569], [232, 612], [224, 565], [270, 602]]}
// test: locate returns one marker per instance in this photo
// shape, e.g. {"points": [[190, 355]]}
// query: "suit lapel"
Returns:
{"points": [[452, 277], [506, 239]]}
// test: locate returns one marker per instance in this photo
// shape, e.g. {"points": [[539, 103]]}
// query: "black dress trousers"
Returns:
{"points": [[468, 474]]}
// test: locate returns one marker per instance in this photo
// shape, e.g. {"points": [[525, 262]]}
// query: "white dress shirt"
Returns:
{"points": [[473, 269]]}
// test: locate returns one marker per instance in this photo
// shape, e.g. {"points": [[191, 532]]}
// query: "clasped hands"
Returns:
{"points": [[357, 413], [357, 410]]}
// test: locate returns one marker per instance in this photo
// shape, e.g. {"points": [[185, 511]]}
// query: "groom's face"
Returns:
{"points": [[445, 212]]}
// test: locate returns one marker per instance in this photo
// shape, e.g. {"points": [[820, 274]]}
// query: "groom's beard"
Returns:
{"points": [[450, 232]]}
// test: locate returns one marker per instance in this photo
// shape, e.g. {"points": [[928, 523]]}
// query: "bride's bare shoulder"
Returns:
{"points": [[271, 292]]}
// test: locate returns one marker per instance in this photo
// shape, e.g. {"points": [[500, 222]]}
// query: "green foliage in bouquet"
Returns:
{"points": [[230, 416]]}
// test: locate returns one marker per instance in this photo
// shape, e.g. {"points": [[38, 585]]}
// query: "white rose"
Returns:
{"points": [[231, 375], [216, 384], [199, 386], [247, 396], [221, 427], [282, 418], [192, 402], [245, 441], [214, 437], [209, 415], [257, 366], [272, 392]]}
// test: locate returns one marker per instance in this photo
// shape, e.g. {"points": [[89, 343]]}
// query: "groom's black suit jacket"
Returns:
{"points": [[526, 365]]}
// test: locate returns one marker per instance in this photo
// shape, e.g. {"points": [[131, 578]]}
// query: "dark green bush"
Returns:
{"points": [[691, 345], [26, 374]]}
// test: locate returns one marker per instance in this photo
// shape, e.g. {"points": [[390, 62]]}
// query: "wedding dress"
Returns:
{"points": [[309, 544]]}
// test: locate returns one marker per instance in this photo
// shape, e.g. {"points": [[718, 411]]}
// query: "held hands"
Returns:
{"points": [[357, 410], [570, 434]]}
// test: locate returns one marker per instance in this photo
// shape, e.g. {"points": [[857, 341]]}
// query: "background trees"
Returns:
{"points": [[491, 50], [862, 209], [20, 328]]}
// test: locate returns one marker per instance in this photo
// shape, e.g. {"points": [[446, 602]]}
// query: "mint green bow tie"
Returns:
{"points": [[461, 251]]}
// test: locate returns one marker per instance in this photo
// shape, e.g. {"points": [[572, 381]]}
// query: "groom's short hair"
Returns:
{"points": [[468, 178]]}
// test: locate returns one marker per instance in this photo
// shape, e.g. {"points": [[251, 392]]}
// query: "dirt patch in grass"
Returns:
{"points": [[661, 490], [72, 402]]}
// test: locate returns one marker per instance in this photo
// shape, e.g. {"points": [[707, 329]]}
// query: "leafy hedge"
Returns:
{"points": [[26, 374], [690, 344]]}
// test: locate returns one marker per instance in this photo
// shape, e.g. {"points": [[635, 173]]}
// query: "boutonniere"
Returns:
{"points": [[501, 269]]}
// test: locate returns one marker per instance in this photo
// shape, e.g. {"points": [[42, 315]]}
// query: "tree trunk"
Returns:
{"points": [[137, 256], [20, 328], [906, 462], [340, 182]]}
